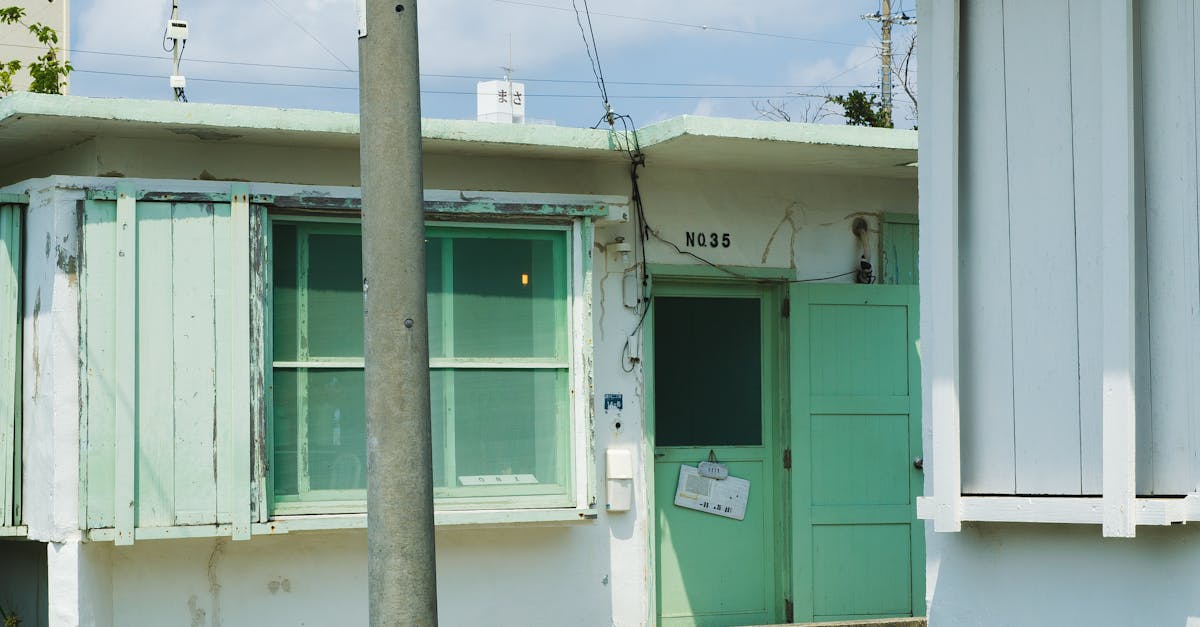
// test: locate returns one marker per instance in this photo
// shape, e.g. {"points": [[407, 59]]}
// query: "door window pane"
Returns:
{"points": [[707, 371]]}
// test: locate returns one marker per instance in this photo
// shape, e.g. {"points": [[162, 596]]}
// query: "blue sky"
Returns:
{"points": [[656, 60]]}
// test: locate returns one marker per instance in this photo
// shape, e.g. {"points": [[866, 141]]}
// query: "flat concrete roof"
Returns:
{"points": [[36, 124]]}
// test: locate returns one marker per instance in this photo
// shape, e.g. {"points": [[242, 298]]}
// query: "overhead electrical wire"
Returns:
{"points": [[311, 36], [703, 27], [565, 81], [441, 91]]}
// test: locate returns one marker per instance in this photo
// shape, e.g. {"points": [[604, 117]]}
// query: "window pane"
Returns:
{"points": [[707, 372], [283, 467], [509, 428], [283, 292], [435, 296], [335, 298], [324, 407], [502, 297], [337, 434]]}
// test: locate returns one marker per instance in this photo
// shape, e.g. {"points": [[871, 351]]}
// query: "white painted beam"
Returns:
{"points": [[938, 186], [1065, 510], [239, 342], [1118, 296]]}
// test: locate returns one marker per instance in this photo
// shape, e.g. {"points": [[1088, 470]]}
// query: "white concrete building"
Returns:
{"points": [[1060, 300], [184, 430], [18, 44]]}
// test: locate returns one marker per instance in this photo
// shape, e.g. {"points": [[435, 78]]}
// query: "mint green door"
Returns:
{"points": [[858, 550], [711, 386]]}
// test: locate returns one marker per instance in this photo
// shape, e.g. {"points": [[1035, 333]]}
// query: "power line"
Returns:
{"points": [[568, 81], [446, 92], [704, 27], [311, 36]]}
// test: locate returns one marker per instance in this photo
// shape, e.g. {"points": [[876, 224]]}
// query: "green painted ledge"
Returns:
{"points": [[791, 132], [217, 116], [333, 522]]}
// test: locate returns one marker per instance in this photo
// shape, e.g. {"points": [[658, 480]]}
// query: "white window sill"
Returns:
{"points": [[1065, 510], [330, 522], [14, 532]]}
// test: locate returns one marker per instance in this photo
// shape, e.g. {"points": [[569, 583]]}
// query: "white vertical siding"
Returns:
{"points": [[1085, 118], [1030, 247], [989, 459], [1042, 256], [1168, 104]]}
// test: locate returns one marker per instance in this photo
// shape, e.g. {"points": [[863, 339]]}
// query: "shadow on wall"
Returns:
{"points": [[23, 582], [997, 575]]}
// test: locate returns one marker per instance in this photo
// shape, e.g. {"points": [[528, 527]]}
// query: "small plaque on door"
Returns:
{"points": [[722, 497]]}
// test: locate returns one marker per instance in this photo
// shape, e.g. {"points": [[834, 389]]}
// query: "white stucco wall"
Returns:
{"points": [[16, 43], [585, 572]]}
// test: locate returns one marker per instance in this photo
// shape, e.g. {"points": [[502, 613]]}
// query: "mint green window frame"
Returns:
{"points": [[560, 361]]}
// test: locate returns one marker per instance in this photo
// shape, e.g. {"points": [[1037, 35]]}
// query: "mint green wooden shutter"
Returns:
{"points": [[898, 247], [166, 316], [10, 364]]}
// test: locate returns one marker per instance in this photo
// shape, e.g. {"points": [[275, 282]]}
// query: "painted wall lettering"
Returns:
{"points": [[700, 239]]}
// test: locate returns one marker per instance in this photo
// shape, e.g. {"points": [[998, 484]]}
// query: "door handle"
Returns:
{"points": [[919, 463]]}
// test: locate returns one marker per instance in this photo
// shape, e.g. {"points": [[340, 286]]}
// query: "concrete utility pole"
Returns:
{"points": [[402, 588], [886, 19]]}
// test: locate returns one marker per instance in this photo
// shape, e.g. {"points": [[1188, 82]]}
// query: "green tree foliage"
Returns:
{"points": [[9, 618], [861, 109], [48, 72]]}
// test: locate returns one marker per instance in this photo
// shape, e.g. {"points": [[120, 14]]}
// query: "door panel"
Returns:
{"points": [[712, 384], [711, 570], [858, 548]]}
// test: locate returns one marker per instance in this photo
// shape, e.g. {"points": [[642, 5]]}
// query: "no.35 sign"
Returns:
{"points": [[700, 239]]}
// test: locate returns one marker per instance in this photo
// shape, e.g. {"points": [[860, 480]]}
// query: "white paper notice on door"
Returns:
{"points": [[722, 497]]}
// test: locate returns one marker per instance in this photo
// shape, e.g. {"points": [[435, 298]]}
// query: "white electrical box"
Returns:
{"points": [[177, 29], [618, 464], [178, 82]]}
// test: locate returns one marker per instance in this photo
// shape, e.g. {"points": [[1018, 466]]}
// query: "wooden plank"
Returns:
{"points": [[155, 439], [125, 370], [801, 443], [1168, 106], [195, 390], [1041, 219], [1085, 119], [223, 321], [239, 359], [938, 186], [260, 370], [98, 337], [10, 361], [898, 245], [988, 440], [916, 451], [581, 245], [1118, 322], [1194, 329]]}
